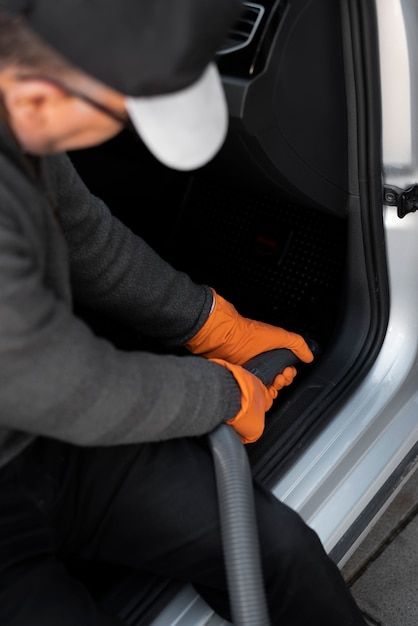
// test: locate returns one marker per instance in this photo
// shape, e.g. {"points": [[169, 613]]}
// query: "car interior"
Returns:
{"points": [[285, 221]]}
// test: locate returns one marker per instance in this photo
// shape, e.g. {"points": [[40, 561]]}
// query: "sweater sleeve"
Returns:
{"points": [[115, 272], [59, 380]]}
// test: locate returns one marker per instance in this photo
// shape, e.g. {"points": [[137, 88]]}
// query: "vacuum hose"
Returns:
{"points": [[236, 505], [239, 528]]}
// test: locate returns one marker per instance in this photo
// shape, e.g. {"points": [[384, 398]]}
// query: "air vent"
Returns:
{"points": [[244, 29]]}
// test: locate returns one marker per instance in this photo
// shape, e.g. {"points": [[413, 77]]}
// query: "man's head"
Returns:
{"points": [[39, 90], [151, 60]]}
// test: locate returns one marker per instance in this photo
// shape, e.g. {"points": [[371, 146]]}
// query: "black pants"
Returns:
{"points": [[151, 507]]}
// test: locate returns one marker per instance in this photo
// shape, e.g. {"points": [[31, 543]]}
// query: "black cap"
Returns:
{"points": [[138, 47]]}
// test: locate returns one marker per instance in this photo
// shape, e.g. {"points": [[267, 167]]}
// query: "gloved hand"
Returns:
{"points": [[227, 335], [256, 399]]}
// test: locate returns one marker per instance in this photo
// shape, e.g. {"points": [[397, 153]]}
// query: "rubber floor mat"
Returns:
{"points": [[276, 261]]}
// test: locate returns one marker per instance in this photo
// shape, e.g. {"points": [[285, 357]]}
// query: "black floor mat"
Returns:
{"points": [[276, 261]]}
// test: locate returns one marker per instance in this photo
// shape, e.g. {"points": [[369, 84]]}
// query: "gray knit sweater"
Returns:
{"points": [[57, 378]]}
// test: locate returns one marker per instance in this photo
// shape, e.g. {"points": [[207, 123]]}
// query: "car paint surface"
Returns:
{"points": [[344, 468]]}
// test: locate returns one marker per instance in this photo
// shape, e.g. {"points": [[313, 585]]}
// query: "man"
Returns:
{"points": [[102, 454]]}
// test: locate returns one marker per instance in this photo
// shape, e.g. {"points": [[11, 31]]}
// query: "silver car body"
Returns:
{"points": [[369, 438]]}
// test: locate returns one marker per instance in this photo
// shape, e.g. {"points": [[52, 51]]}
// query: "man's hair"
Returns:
{"points": [[24, 50]]}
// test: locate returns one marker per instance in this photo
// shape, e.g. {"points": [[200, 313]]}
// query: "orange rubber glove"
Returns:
{"points": [[256, 399], [227, 335]]}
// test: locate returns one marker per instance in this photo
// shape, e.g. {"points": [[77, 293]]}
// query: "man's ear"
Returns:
{"points": [[33, 100]]}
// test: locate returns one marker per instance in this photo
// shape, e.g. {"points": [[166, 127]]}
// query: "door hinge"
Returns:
{"points": [[405, 199]]}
